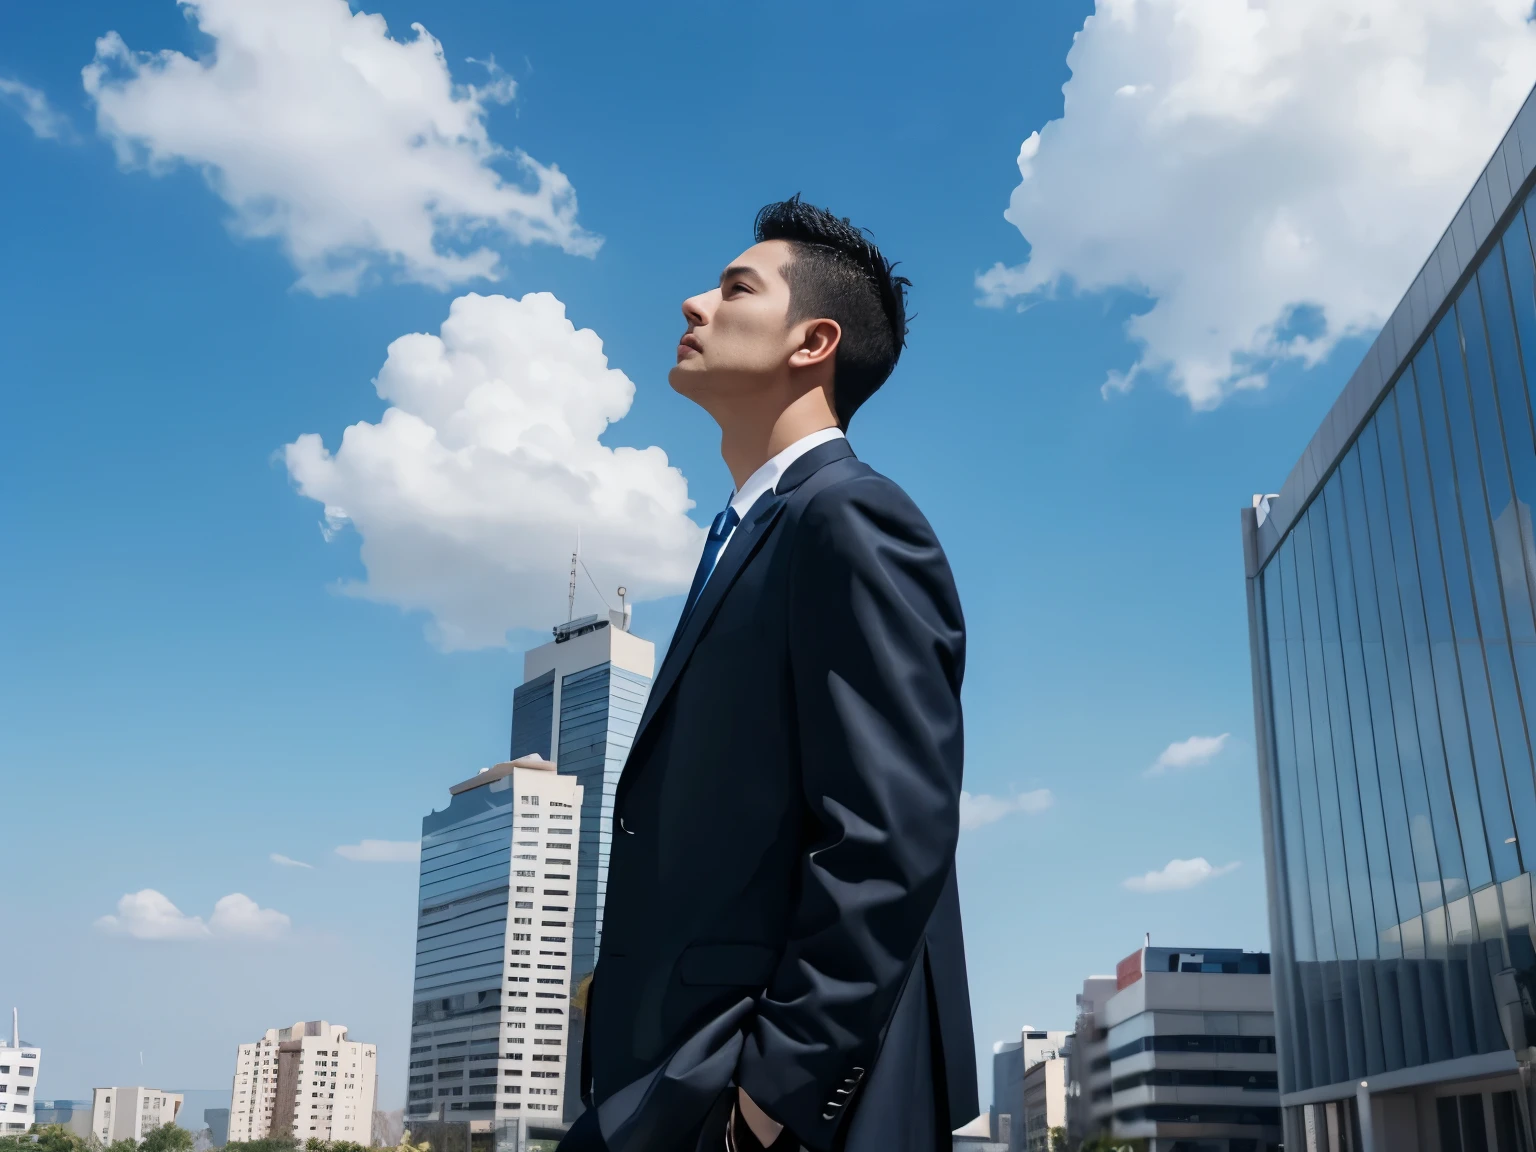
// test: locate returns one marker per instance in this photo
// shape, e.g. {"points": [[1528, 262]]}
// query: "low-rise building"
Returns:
{"points": [[19, 1064], [1087, 1068], [1189, 1052], [1010, 1060], [310, 1081], [72, 1114], [1045, 1101], [131, 1112]]}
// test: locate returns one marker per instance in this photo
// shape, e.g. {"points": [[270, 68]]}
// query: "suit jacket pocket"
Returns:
{"points": [[739, 965]]}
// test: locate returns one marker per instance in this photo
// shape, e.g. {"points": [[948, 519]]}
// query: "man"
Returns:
{"points": [[782, 964]]}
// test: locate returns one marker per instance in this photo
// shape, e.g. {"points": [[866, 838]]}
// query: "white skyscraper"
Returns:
{"points": [[131, 1113], [493, 948], [18, 1080], [579, 705], [307, 1081]]}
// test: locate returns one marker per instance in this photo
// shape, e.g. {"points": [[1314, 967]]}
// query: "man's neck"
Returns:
{"points": [[747, 444]]}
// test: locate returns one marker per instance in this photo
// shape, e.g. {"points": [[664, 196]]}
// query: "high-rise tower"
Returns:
{"points": [[493, 949], [579, 705]]}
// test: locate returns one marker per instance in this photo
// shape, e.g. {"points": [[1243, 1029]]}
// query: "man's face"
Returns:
{"points": [[738, 340]]}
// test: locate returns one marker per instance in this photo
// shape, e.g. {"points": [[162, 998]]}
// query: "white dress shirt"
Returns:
{"points": [[767, 477]]}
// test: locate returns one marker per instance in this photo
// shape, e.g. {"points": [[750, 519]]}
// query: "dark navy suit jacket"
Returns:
{"points": [[781, 897]]}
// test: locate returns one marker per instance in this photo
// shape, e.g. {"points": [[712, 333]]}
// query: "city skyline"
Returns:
{"points": [[241, 665]]}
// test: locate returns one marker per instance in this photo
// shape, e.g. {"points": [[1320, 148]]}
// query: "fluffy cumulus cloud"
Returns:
{"points": [[1179, 874], [977, 810], [469, 492], [1271, 175], [1191, 753], [150, 915], [33, 108], [239, 915], [381, 851], [353, 149]]}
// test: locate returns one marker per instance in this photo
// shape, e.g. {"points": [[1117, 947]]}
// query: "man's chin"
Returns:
{"points": [[687, 378]]}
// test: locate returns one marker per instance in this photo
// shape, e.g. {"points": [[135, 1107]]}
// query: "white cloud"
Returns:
{"points": [[470, 490], [239, 915], [1237, 161], [1179, 874], [288, 861], [1191, 753], [977, 810], [150, 915], [356, 151], [381, 851], [33, 107]]}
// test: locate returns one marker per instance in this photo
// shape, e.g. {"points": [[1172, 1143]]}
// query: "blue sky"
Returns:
{"points": [[187, 689]]}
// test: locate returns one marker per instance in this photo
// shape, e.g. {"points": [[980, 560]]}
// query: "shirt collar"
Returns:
{"points": [[766, 477]]}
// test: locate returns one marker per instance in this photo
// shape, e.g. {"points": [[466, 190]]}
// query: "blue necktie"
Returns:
{"points": [[719, 532]]}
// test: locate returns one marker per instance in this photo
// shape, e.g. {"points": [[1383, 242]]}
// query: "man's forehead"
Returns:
{"points": [[766, 258]]}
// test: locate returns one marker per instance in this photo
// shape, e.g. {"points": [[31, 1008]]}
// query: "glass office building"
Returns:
{"points": [[1392, 605], [579, 705]]}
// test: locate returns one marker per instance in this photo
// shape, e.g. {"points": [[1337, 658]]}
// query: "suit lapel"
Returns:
{"points": [[744, 545]]}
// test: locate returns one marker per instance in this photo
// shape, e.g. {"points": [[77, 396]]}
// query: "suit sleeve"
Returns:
{"points": [[877, 652]]}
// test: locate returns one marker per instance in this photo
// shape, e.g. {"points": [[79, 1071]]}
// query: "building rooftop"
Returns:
{"points": [[499, 771]]}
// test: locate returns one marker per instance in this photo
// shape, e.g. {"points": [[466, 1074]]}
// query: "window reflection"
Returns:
{"points": [[1398, 622]]}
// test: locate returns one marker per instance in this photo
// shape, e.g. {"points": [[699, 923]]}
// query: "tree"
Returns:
{"points": [[1058, 1139], [271, 1144], [56, 1138], [123, 1145], [167, 1138]]}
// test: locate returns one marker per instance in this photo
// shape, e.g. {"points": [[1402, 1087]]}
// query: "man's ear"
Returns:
{"points": [[818, 344]]}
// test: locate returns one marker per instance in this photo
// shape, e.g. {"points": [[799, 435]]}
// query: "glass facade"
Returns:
{"points": [[599, 711], [1395, 634], [461, 932]]}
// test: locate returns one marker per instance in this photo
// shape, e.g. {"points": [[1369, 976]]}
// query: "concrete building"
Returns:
{"points": [[1087, 1063], [1045, 1101], [492, 994], [131, 1113], [1188, 1053], [310, 1081], [579, 705], [1010, 1061], [1392, 619], [19, 1065], [72, 1114]]}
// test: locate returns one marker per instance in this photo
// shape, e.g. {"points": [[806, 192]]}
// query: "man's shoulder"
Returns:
{"points": [[849, 493]]}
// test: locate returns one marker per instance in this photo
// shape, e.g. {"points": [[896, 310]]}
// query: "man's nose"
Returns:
{"points": [[697, 309]]}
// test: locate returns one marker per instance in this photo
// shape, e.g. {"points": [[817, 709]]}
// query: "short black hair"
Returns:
{"points": [[839, 274]]}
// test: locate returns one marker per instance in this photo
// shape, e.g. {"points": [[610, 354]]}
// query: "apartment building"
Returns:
{"points": [[309, 1081], [131, 1112], [19, 1065]]}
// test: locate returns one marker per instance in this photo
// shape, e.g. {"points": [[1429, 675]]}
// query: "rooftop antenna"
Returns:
{"points": [[623, 607], [570, 600], [15, 1030]]}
